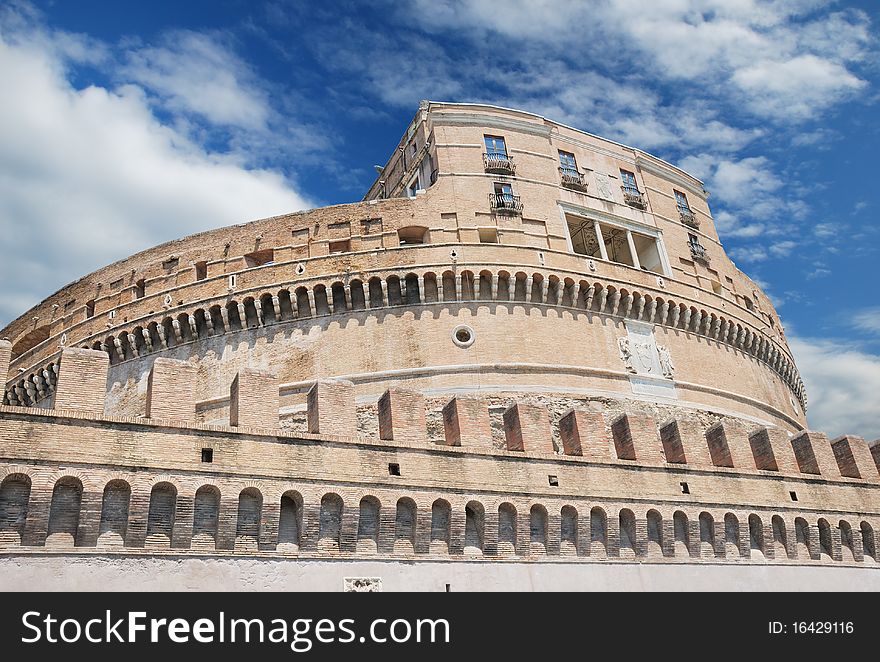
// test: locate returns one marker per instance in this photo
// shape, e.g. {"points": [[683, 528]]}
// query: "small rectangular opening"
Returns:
{"points": [[488, 235], [448, 588], [90, 308], [201, 270], [553, 480], [170, 264], [232, 281], [140, 289], [684, 488], [259, 258], [207, 455], [393, 469], [116, 284], [343, 246], [716, 287], [793, 495]]}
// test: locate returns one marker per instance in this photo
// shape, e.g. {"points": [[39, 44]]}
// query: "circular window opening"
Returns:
{"points": [[463, 336]]}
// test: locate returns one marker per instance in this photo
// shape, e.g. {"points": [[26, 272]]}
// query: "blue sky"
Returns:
{"points": [[127, 124]]}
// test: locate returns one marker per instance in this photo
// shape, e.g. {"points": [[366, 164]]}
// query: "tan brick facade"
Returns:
{"points": [[148, 493], [519, 361]]}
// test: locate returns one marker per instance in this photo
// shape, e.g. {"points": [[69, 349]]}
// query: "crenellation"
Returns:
{"points": [[5, 357], [853, 456], [814, 455], [253, 400], [331, 408], [466, 423], [402, 416], [527, 427], [82, 380], [170, 390]]}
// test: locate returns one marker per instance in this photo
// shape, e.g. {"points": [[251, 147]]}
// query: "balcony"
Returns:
{"points": [[688, 217], [505, 203], [573, 179], [633, 197], [698, 252], [498, 163]]}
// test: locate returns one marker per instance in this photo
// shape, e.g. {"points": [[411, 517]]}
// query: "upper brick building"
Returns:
{"points": [[515, 309]]}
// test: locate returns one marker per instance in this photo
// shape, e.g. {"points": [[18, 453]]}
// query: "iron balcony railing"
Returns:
{"points": [[506, 203], [688, 217], [499, 163], [571, 178], [698, 252], [633, 196]]}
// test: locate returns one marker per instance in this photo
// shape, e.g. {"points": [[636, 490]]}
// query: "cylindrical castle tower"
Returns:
{"points": [[497, 252], [525, 345]]}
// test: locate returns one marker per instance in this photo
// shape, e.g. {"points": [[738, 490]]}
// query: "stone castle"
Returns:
{"points": [[522, 361]]}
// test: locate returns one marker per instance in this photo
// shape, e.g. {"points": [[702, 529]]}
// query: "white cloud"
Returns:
{"points": [[749, 254], [748, 188], [781, 59], [782, 248], [798, 88], [91, 175], [843, 384], [868, 320], [198, 73]]}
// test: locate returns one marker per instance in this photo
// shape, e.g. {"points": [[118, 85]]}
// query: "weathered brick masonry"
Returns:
{"points": [[496, 355], [76, 479]]}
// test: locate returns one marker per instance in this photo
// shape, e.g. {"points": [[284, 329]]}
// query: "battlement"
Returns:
{"points": [[625, 487]]}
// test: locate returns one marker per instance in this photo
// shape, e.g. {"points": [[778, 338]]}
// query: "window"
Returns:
{"points": [[140, 289], [568, 171], [90, 308], [631, 193], [495, 158], [567, 161], [495, 146], [170, 264], [201, 270], [682, 202], [207, 455], [343, 246], [116, 284], [793, 496], [698, 251], [684, 210], [553, 481], [503, 199], [684, 488], [393, 469], [503, 189]]}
